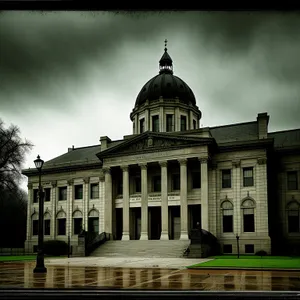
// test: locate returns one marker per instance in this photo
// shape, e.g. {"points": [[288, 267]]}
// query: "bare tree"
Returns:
{"points": [[12, 155], [13, 200]]}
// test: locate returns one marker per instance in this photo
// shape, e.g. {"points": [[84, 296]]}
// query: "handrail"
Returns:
{"points": [[94, 240]]}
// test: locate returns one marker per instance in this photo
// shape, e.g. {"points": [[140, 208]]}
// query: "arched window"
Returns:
{"points": [[227, 210], [77, 221], [35, 224], [248, 215], [47, 219], [293, 217], [93, 223], [61, 223]]}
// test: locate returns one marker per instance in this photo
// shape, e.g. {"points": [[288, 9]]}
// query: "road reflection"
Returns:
{"points": [[21, 275]]}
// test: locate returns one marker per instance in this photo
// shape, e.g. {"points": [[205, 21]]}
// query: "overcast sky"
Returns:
{"points": [[67, 78]]}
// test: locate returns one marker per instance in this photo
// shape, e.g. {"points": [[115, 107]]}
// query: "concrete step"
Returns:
{"points": [[144, 248]]}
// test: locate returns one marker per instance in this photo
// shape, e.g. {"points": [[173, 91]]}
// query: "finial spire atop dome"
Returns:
{"points": [[165, 63]]}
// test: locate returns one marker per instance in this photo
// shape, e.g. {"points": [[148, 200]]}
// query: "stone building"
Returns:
{"points": [[237, 179]]}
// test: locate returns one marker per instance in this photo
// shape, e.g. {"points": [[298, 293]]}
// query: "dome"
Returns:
{"points": [[165, 85], [168, 86]]}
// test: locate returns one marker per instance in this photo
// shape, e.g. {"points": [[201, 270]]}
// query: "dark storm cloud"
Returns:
{"points": [[39, 52]]}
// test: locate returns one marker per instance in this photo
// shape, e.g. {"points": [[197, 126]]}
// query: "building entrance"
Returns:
{"points": [[154, 223]]}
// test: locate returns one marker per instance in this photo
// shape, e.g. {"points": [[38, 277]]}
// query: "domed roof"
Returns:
{"points": [[165, 85]]}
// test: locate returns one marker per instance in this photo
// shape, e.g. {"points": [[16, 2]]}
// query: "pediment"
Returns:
{"points": [[150, 141]]}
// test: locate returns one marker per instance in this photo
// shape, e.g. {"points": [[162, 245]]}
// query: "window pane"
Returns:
{"points": [[248, 176], [157, 183], [293, 221], [35, 195], [47, 227], [77, 225], [142, 125], [35, 227], [138, 184], [227, 223], [196, 180], [63, 193], [155, 123], [61, 226], [226, 178], [249, 248], [292, 180], [47, 194], [182, 123], [176, 182], [79, 191], [248, 223], [94, 190], [170, 126], [194, 124]]}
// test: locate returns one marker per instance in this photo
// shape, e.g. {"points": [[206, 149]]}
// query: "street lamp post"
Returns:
{"points": [[238, 246], [40, 267]]}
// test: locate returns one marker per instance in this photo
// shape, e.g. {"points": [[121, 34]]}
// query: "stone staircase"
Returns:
{"points": [[141, 248]]}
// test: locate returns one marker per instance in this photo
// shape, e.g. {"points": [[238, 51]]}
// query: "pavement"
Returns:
{"points": [[127, 262]]}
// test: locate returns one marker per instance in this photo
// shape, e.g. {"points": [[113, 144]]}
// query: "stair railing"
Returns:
{"points": [[94, 240]]}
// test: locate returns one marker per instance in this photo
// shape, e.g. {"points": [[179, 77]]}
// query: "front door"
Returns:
{"points": [[176, 227], [155, 223]]}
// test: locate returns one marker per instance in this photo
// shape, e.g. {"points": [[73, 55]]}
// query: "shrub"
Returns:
{"points": [[55, 248], [261, 253]]}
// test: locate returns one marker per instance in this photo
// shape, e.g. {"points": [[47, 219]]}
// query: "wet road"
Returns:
{"points": [[21, 275]]}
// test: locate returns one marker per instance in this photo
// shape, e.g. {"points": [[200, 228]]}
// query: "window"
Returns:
{"points": [[142, 125], [248, 215], [35, 227], [35, 196], [227, 209], [196, 178], [248, 176], [137, 184], [249, 248], [176, 182], [226, 179], [292, 180], [62, 193], [47, 227], [293, 217], [155, 123], [170, 125], [93, 223], [227, 248], [194, 124], [156, 183], [79, 191], [182, 123], [77, 225], [61, 226], [94, 190], [47, 194]]}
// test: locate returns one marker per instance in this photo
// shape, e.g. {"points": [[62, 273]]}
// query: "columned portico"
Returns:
{"points": [[125, 235], [164, 202], [144, 202], [183, 200], [108, 201], [204, 193]]}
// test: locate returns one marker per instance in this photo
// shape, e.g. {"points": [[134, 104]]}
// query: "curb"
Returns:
{"points": [[244, 269]]}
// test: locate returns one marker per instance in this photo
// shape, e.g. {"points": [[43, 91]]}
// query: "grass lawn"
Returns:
{"points": [[245, 261], [24, 257]]}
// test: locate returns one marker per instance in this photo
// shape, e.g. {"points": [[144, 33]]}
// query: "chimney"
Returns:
{"points": [[262, 125], [71, 149], [104, 140]]}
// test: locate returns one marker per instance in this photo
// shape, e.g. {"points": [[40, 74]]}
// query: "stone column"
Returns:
{"points": [[125, 235], [183, 200], [86, 198], [29, 223], [144, 202], [101, 201], [236, 184], [204, 194], [164, 201], [69, 208], [108, 201], [54, 203]]}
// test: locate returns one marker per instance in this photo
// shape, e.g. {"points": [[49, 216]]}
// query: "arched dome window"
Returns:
{"points": [[77, 222], [248, 206], [61, 223], [47, 222]]}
